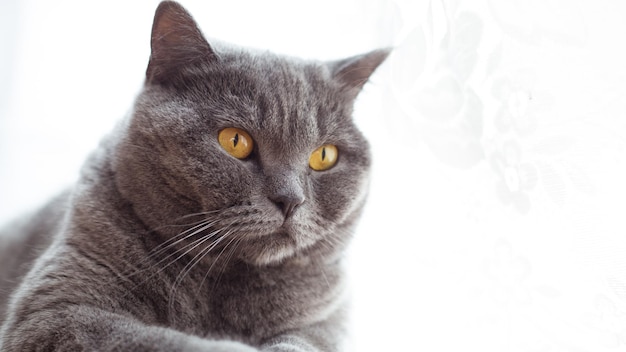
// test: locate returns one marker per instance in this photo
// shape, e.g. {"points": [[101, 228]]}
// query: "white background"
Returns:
{"points": [[497, 216]]}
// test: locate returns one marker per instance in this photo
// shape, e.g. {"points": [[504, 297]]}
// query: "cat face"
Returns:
{"points": [[257, 152]]}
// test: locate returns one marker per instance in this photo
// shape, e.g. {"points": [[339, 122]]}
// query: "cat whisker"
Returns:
{"points": [[198, 228], [188, 267], [155, 273], [202, 213], [215, 261], [178, 225], [196, 259], [169, 244], [187, 249], [194, 244], [204, 225], [195, 225], [227, 260]]}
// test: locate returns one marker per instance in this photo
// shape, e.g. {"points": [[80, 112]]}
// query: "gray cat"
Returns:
{"points": [[214, 218]]}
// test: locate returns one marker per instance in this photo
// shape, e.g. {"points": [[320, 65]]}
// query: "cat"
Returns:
{"points": [[215, 217]]}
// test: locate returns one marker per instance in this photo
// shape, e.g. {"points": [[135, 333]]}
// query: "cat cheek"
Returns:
{"points": [[336, 194], [221, 185]]}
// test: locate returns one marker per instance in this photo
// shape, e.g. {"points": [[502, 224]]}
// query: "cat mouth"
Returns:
{"points": [[269, 249], [256, 237], [278, 235]]}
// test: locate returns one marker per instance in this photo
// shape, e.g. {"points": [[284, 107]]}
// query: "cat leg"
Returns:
{"points": [[83, 328], [303, 341]]}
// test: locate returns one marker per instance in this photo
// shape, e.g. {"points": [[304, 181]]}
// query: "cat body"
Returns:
{"points": [[171, 242]]}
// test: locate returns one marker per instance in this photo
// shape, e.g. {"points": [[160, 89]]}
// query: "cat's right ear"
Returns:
{"points": [[176, 43], [352, 73]]}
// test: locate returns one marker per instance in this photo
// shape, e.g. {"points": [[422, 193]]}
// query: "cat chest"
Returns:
{"points": [[254, 307]]}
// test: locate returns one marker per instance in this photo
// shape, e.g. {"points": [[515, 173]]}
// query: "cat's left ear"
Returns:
{"points": [[176, 43], [352, 73]]}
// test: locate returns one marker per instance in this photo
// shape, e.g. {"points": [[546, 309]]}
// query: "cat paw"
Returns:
{"points": [[285, 347], [222, 346]]}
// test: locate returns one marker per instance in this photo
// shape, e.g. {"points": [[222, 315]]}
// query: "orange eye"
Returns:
{"points": [[236, 142], [323, 158]]}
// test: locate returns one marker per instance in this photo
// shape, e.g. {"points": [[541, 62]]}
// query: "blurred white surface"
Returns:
{"points": [[496, 214]]}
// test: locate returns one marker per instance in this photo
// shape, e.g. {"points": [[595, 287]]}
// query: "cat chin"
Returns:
{"points": [[275, 248], [268, 250], [267, 259]]}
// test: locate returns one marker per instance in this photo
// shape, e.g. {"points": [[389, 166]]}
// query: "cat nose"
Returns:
{"points": [[287, 202], [285, 189]]}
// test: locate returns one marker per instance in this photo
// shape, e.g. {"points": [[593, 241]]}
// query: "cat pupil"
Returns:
{"points": [[236, 140], [323, 154]]}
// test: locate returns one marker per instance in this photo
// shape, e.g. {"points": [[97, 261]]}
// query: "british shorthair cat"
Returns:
{"points": [[213, 218]]}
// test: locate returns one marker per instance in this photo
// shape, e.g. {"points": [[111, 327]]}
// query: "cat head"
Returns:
{"points": [[256, 153]]}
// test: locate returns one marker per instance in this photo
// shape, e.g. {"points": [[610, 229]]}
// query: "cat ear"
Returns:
{"points": [[176, 42], [352, 73]]}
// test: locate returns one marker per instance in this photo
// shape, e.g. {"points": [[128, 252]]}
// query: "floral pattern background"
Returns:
{"points": [[496, 213], [511, 120]]}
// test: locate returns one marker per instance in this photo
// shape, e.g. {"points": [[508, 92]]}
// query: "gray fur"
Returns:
{"points": [[167, 243]]}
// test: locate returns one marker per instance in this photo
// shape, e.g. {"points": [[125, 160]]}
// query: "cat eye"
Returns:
{"points": [[236, 142], [323, 158]]}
